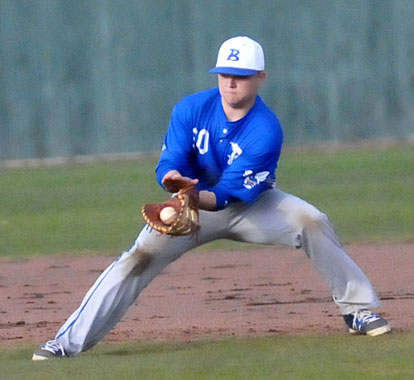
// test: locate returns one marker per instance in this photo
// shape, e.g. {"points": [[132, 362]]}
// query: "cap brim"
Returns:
{"points": [[232, 71]]}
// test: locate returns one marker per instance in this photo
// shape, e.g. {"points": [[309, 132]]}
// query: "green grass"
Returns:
{"points": [[74, 208], [368, 194], [314, 357], [95, 208]]}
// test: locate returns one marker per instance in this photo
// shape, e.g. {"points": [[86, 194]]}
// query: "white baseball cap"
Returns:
{"points": [[239, 56]]}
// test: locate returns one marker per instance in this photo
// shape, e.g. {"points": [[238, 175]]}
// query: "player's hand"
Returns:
{"points": [[173, 181]]}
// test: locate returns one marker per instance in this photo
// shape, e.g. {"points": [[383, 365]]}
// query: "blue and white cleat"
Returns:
{"points": [[366, 322], [51, 349]]}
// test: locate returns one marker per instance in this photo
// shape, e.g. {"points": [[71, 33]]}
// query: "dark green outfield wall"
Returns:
{"points": [[101, 76]]}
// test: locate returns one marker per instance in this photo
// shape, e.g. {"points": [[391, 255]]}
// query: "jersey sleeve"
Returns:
{"points": [[250, 174], [178, 143]]}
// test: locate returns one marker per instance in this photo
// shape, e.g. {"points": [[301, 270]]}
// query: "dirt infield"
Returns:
{"points": [[205, 295]]}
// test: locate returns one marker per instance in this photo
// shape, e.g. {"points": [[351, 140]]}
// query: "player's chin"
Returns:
{"points": [[233, 101]]}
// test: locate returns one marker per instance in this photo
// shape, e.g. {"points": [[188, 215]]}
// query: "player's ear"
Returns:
{"points": [[261, 75]]}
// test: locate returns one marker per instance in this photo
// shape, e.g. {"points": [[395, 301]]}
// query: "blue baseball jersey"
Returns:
{"points": [[235, 160]]}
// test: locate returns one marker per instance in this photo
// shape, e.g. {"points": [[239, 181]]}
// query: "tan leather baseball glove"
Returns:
{"points": [[185, 203]]}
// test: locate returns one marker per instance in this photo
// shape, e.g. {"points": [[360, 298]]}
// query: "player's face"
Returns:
{"points": [[240, 91]]}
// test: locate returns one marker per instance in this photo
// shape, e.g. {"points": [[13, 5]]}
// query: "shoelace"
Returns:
{"points": [[363, 317], [53, 346]]}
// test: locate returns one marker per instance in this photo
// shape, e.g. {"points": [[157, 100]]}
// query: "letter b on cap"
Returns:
{"points": [[234, 55]]}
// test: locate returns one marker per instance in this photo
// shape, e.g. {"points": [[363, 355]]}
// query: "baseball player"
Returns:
{"points": [[223, 144]]}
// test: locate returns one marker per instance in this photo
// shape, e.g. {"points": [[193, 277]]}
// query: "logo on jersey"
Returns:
{"points": [[234, 55], [236, 152], [251, 180]]}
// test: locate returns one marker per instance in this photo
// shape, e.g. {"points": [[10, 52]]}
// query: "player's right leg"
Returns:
{"points": [[120, 284]]}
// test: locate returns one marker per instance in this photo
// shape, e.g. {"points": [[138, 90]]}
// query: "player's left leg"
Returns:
{"points": [[281, 218]]}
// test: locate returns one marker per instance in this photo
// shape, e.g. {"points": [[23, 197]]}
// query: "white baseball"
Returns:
{"points": [[168, 215]]}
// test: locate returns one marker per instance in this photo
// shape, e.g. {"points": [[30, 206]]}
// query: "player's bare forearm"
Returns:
{"points": [[207, 201]]}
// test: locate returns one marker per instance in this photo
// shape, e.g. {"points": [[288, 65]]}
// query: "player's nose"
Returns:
{"points": [[232, 82]]}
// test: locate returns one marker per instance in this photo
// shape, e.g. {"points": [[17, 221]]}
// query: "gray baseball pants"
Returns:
{"points": [[275, 218]]}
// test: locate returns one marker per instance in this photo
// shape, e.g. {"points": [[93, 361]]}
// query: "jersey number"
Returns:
{"points": [[202, 141]]}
